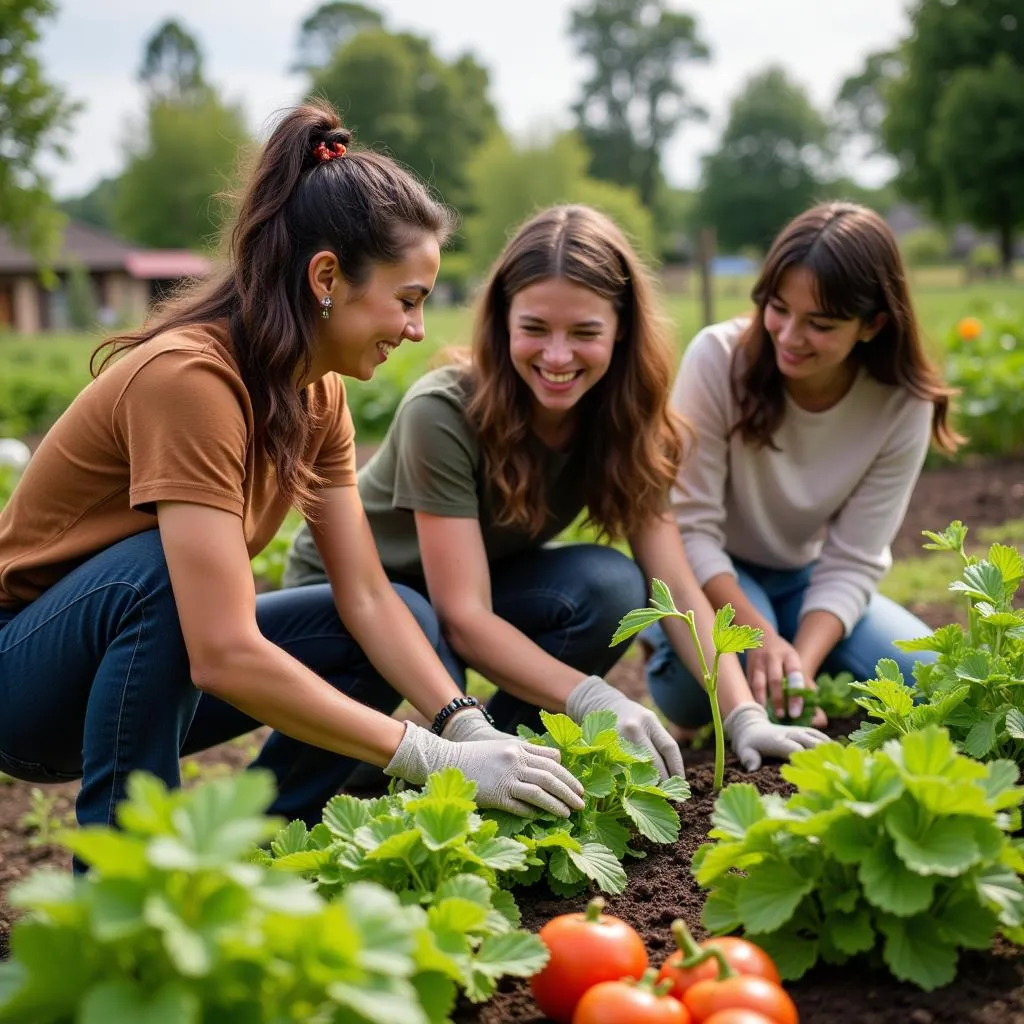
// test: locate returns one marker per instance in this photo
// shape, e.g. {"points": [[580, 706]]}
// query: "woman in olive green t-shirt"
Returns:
{"points": [[562, 407]]}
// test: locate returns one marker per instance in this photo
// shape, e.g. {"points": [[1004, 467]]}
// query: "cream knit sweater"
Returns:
{"points": [[834, 493]]}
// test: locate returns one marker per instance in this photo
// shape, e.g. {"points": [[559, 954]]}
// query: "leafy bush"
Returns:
{"points": [[976, 686], [623, 797], [988, 371], [903, 852], [173, 923], [433, 850]]}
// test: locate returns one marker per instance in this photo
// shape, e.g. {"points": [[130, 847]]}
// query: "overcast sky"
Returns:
{"points": [[94, 47]]}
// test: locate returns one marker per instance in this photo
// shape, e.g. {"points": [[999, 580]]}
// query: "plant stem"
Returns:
{"points": [[711, 687]]}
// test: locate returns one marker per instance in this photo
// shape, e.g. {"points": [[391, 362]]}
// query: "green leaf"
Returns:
{"points": [[393, 1000], [733, 639], [676, 788], [851, 933], [109, 852], [1000, 784], [607, 829], [562, 729], [847, 837], [653, 815], [437, 995], [600, 865], [794, 954], [442, 824], [720, 914], [116, 908], [597, 722], [982, 736], [635, 622], [1002, 891], [121, 1001], [974, 667], [500, 853], [517, 953], [383, 925], [981, 581], [643, 774], [770, 894], [961, 921], [457, 915], [737, 808], [1015, 723], [915, 952], [465, 887], [930, 845], [661, 597], [449, 784], [890, 885], [951, 539], [1008, 561]]}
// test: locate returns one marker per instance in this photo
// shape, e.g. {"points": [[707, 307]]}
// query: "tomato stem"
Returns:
{"points": [[684, 939], [594, 909], [711, 953]]}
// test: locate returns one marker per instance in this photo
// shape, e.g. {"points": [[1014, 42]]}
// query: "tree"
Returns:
{"points": [[186, 156], [81, 296], [34, 118], [860, 103], [769, 165], [96, 206], [172, 65], [395, 91], [945, 40], [977, 144], [633, 102], [508, 183], [328, 28]]}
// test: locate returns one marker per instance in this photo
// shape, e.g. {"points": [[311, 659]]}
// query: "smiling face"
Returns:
{"points": [[812, 349], [562, 336], [366, 324]]}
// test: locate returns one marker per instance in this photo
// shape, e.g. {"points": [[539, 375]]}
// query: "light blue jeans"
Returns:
{"points": [[778, 594]]}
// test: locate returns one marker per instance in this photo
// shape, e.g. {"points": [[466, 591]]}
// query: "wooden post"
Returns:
{"points": [[705, 254]]}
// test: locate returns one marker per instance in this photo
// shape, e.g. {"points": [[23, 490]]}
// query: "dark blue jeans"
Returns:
{"points": [[95, 683], [568, 599]]}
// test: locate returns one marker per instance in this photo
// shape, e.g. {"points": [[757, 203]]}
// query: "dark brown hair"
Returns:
{"points": [[632, 443], [363, 207], [858, 273]]}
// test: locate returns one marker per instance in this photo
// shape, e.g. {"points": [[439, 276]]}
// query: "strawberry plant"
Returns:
{"points": [[975, 688], [623, 796], [174, 923], [903, 852], [432, 849], [727, 638]]}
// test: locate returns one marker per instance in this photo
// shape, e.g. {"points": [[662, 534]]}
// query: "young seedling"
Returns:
{"points": [[727, 638], [43, 820]]}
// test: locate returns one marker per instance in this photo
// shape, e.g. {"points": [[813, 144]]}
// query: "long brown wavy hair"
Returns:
{"points": [[858, 273], [630, 438], [364, 208]]}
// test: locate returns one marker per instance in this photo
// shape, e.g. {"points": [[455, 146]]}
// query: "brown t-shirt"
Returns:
{"points": [[169, 421]]}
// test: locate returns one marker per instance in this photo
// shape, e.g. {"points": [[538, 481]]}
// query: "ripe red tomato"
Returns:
{"points": [[741, 992], [585, 949], [619, 1002], [738, 1017], [742, 956]]}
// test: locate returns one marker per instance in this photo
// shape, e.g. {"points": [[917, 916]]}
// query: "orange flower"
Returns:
{"points": [[969, 328]]}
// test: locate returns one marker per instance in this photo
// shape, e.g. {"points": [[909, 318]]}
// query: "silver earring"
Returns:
{"points": [[326, 304]]}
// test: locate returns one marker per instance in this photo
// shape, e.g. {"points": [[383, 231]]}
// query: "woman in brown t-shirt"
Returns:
{"points": [[130, 631]]}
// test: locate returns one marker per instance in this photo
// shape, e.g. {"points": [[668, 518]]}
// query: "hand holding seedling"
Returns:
{"points": [[747, 726]]}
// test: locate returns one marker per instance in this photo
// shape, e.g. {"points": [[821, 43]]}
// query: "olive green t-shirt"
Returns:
{"points": [[430, 461]]}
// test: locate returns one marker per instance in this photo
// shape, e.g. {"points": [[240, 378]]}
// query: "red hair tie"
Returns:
{"points": [[323, 152]]}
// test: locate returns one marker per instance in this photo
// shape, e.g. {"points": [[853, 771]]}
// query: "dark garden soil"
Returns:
{"points": [[989, 988]]}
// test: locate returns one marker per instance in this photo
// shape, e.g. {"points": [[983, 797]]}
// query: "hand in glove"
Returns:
{"points": [[636, 723], [471, 726], [752, 735], [510, 775]]}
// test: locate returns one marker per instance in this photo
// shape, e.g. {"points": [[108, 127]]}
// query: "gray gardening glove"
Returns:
{"points": [[510, 775], [752, 736], [471, 726], [636, 723]]}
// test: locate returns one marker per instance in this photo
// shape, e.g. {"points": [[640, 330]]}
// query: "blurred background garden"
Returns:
{"points": [[914, 108]]}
